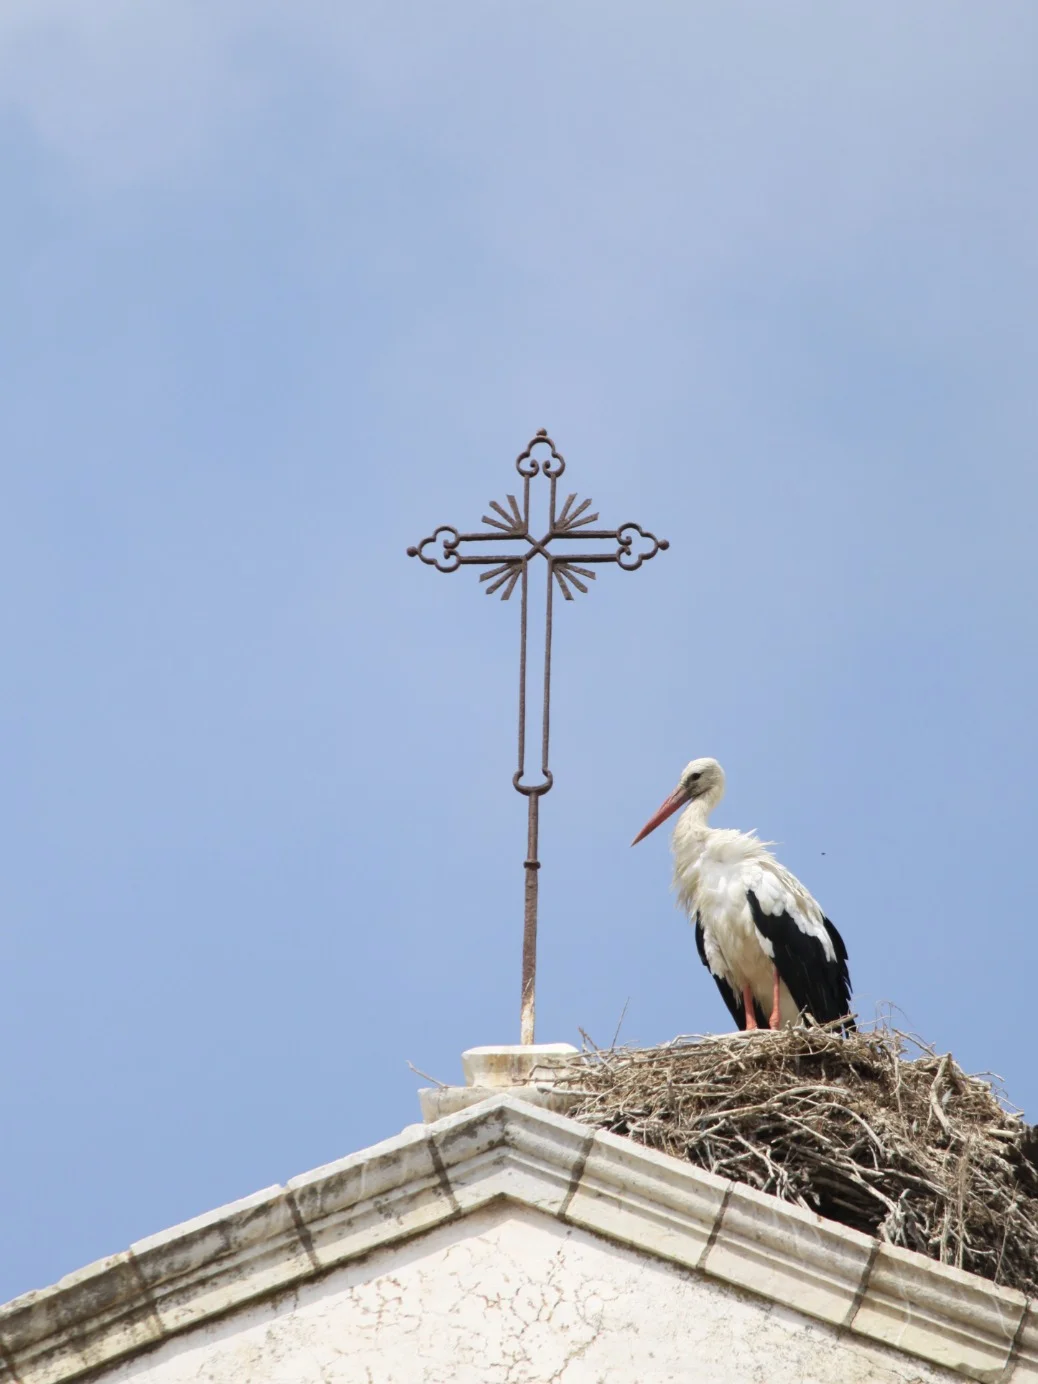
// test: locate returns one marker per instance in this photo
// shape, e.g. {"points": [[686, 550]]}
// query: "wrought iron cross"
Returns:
{"points": [[446, 550]]}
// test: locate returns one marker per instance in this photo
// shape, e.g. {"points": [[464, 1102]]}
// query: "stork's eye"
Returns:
{"points": [[694, 778]]}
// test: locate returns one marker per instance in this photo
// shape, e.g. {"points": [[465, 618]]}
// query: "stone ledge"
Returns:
{"points": [[388, 1192], [793, 1256], [87, 1319], [953, 1318], [1025, 1353], [506, 1148], [647, 1199], [216, 1262]]}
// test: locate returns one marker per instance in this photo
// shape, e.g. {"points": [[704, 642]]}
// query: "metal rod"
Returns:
{"points": [[531, 865], [546, 715], [524, 592]]}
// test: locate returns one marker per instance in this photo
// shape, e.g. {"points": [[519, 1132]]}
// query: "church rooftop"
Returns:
{"points": [[506, 1148]]}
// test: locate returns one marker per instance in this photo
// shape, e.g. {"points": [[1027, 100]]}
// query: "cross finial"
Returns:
{"points": [[447, 549]]}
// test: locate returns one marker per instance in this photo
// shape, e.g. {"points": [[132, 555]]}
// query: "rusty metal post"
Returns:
{"points": [[531, 865]]}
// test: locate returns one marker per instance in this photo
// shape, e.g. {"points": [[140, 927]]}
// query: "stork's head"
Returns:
{"points": [[701, 781]]}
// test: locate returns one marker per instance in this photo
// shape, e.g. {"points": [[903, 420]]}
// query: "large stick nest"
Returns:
{"points": [[875, 1130]]}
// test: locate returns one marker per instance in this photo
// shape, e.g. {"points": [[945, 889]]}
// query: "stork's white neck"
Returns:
{"points": [[692, 826]]}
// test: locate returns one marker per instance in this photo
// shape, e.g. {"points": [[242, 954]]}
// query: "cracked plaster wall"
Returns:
{"points": [[509, 1296]]}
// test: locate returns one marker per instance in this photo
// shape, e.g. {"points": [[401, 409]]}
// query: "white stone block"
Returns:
{"points": [[647, 1199], [783, 1252], [226, 1257], [953, 1318], [506, 1148], [437, 1102], [87, 1319], [515, 1065], [385, 1193]]}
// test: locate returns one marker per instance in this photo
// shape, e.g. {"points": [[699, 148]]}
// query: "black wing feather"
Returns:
{"points": [[731, 999], [820, 986]]}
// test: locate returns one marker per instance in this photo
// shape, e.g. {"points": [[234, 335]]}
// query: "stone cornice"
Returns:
{"points": [[505, 1148]]}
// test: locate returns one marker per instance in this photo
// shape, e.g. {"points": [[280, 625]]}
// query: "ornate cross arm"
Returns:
{"points": [[447, 549]]}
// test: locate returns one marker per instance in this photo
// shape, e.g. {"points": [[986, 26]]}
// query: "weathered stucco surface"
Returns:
{"points": [[508, 1295]]}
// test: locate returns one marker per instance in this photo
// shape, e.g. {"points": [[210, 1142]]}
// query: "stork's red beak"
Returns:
{"points": [[677, 799]]}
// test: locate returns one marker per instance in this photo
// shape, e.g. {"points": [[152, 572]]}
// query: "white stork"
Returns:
{"points": [[763, 938]]}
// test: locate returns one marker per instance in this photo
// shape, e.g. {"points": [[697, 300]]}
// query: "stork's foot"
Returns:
{"points": [[776, 1020], [747, 1008]]}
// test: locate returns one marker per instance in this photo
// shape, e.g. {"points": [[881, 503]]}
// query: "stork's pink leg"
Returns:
{"points": [[775, 1021], [747, 1004]]}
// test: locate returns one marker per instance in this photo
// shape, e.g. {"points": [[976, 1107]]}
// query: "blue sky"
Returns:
{"points": [[284, 287]]}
